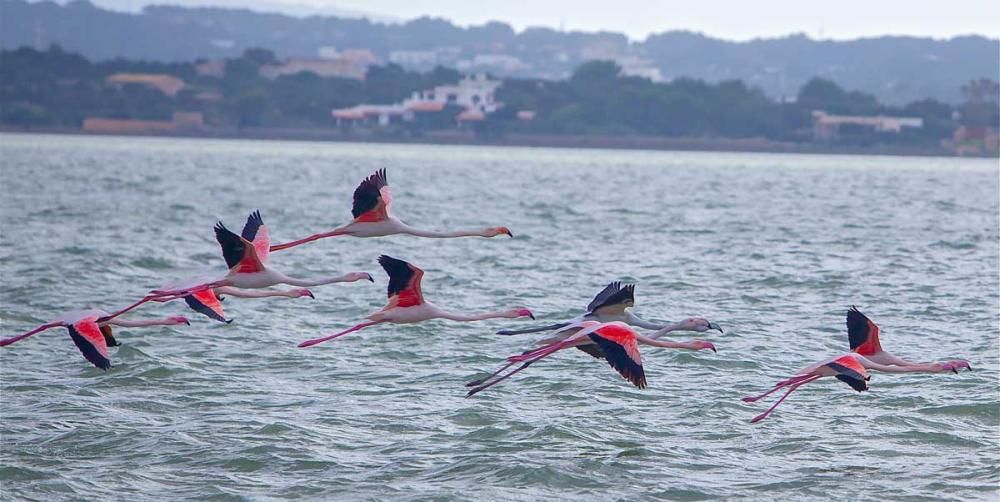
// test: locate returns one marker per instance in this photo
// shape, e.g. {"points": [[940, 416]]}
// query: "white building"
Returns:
{"points": [[475, 94]]}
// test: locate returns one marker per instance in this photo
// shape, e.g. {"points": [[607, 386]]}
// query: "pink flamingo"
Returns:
{"points": [[372, 217], [247, 256], [90, 330], [862, 334], [614, 303], [209, 301], [615, 341], [407, 304], [850, 369]]}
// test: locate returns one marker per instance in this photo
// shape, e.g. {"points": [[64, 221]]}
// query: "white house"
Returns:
{"points": [[475, 94]]}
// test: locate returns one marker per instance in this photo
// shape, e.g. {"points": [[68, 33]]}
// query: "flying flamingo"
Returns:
{"points": [[90, 330], [209, 301], [862, 334], [407, 304], [850, 369], [247, 256], [616, 341], [372, 217], [614, 303]]}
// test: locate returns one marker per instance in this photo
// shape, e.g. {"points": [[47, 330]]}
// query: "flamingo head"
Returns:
{"points": [[299, 293], [359, 276], [699, 324], [495, 231], [522, 312], [702, 345], [178, 320], [954, 366]]}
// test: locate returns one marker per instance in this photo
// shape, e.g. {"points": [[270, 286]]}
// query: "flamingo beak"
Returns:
{"points": [[372, 280], [310, 294], [713, 325], [187, 322]]}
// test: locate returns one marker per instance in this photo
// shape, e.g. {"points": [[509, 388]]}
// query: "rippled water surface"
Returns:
{"points": [[773, 247]]}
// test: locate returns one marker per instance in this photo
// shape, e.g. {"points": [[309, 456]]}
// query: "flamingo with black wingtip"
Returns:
{"points": [[407, 303], [373, 218], [614, 304], [851, 368], [91, 332], [246, 256], [616, 342], [862, 334]]}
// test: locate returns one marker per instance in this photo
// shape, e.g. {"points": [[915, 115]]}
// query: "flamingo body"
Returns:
{"points": [[373, 218], [407, 304]]}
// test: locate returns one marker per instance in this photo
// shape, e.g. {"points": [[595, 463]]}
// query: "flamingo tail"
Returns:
{"points": [[794, 386], [7, 341], [314, 341]]}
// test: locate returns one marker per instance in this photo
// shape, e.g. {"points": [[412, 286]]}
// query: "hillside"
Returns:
{"points": [[894, 69]]}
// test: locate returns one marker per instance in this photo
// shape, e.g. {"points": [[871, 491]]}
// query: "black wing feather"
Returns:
{"points": [[201, 308], [232, 246], [254, 222], [399, 273], [368, 192], [593, 350], [857, 327], [857, 384], [620, 361], [613, 294], [109, 337], [89, 352]]}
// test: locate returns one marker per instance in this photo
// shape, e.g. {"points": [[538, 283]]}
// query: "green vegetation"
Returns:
{"points": [[57, 88]]}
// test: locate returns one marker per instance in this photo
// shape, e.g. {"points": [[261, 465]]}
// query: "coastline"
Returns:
{"points": [[752, 145]]}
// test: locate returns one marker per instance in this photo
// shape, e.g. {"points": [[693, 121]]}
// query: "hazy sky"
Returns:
{"points": [[733, 19]]}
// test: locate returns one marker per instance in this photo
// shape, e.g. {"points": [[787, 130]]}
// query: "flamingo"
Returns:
{"points": [[209, 301], [372, 218], [91, 331], [614, 303], [407, 304], [616, 341], [850, 369], [247, 256], [862, 334]]}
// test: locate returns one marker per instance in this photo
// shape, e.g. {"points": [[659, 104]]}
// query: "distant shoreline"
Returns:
{"points": [[753, 145]]}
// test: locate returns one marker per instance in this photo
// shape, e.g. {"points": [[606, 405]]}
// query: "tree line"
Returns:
{"points": [[59, 88]]}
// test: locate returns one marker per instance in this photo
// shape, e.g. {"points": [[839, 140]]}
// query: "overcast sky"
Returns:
{"points": [[731, 19]]}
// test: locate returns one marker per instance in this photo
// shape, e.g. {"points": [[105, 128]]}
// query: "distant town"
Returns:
{"points": [[349, 95]]}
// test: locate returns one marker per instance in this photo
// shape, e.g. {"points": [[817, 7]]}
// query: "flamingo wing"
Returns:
{"points": [[240, 254], [207, 303], [88, 338], [109, 337], [619, 347], [851, 372], [613, 299], [404, 282], [592, 349], [372, 199], [862, 333], [256, 232]]}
